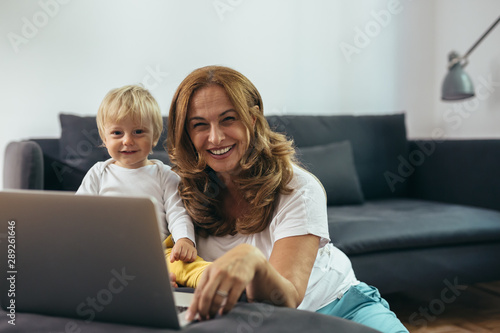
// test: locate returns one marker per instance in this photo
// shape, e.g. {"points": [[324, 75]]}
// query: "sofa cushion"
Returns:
{"points": [[396, 224], [378, 143], [79, 144], [333, 164]]}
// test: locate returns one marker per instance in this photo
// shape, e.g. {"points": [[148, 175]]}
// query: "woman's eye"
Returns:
{"points": [[226, 119], [198, 125]]}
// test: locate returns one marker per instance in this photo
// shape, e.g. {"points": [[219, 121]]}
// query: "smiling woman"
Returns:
{"points": [[251, 204]]}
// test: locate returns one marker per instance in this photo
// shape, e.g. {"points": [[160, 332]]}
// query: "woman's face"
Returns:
{"points": [[216, 130]]}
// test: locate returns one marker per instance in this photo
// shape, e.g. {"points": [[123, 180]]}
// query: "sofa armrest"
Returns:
{"points": [[23, 166], [455, 171]]}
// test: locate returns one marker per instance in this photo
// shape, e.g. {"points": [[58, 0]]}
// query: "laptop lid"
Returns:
{"points": [[87, 257]]}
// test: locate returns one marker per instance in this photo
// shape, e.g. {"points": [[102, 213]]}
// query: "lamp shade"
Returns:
{"points": [[457, 84]]}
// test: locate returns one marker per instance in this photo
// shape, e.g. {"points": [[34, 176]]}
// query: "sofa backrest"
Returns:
{"points": [[378, 142]]}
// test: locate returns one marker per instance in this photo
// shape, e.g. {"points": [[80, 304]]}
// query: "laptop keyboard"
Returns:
{"points": [[180, 309]]}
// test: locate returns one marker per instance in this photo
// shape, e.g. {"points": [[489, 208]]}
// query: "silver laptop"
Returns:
{"points": [[95, 258]]}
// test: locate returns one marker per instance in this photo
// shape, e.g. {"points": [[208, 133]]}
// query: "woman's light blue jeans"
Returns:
{"points": [[363, 304]]}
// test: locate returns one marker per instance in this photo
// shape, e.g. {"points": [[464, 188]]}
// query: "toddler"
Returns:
{"points": [[130, 123]]}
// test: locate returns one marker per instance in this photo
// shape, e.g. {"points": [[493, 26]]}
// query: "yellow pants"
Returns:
{"points": [[187, 274]]}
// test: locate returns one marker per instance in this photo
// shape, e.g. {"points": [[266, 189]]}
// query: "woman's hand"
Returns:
{"points": [[223, 282]]}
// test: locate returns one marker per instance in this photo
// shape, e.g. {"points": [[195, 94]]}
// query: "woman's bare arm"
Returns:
{"points": [[282, 280]]}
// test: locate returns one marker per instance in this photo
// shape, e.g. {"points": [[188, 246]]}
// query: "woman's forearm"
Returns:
{"points": [[270, 286], [282, 280]]}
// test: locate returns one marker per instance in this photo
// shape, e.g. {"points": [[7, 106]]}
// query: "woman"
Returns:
{"points": [[258, 216]]}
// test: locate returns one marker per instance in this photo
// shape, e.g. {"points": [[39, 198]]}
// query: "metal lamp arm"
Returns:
{"points": [[481, 39]]}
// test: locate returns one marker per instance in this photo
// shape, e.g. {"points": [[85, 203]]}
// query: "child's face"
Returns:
{"points": [[129, 142]]}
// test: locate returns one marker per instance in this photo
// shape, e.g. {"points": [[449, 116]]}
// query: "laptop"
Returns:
{"points": [[96, 258]]}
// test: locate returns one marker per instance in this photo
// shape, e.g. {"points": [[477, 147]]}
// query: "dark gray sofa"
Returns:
{"points": [[411, 215], [245, 317]]}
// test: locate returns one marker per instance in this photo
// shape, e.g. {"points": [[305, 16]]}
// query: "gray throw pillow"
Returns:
{"points": [[333, 165], [80, 142]]}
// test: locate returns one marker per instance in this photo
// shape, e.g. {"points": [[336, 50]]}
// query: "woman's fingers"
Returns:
{"points": [[224, 281], [232, 298], [224, 296], [192, 311], [209, 301], [216, 293]]}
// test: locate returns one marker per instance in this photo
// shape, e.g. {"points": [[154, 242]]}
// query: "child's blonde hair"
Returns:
{"points": [[130, 101]]}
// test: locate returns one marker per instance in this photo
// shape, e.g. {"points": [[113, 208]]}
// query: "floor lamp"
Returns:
{"points": [[457, 84]]}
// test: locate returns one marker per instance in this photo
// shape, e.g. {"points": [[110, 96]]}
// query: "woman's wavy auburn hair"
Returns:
{"points": [[266, 167]]}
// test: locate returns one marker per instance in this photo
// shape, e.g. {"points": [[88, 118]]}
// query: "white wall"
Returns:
{"points": [[306, 57]]}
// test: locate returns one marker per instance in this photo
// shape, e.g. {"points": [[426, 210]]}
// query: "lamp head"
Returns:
{"points": [[457, 84]]}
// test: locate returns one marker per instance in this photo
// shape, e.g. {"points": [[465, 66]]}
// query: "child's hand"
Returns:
{"points": [[173, 283], [183, 250]]}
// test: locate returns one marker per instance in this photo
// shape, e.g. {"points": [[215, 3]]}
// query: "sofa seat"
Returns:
{"points": [[392, 224]]}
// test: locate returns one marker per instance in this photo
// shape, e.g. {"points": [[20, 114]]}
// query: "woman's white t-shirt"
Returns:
{"points": [[300, 213]]}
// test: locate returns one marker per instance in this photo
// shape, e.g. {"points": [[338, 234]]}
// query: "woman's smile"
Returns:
{"points": [[221, 152]]}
